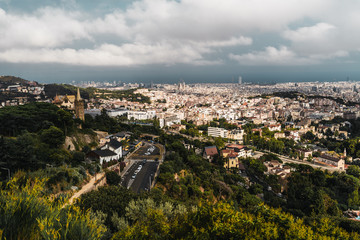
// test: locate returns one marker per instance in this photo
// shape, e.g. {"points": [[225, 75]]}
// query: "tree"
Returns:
{"points": [[219, 142], [77, 157], [112, 178], [52, 136], [309, 135], [353, 170], [108, 199], [66, 120], [328, 132]]}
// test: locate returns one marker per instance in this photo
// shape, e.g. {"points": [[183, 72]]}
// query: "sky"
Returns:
{"points": [[166, 40]]}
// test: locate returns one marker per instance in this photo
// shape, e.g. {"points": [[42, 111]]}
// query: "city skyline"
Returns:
{"points": [[164, 41]]}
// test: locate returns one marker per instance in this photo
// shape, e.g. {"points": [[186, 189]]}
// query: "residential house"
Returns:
{"points": [[241, 150], [231, 158], [210, 152], [102, 156], [112, 150], [115, 146]]}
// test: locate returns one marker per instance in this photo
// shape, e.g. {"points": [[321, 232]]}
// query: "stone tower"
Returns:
{"points": [[79, 106]]}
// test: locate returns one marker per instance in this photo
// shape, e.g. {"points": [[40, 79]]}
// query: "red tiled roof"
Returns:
{"points": [[235, 146], [232, 154], [211, 151], [226, 151]]}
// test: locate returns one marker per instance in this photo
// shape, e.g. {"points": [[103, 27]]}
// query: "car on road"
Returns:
{"points": [[133, 176]]}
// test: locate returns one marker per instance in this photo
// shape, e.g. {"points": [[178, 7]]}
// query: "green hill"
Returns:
{"points": [[8, 80]]}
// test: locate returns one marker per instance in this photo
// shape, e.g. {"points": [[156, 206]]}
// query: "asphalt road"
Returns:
{"points": [[141, 182], [127, 179], [151, 150]]}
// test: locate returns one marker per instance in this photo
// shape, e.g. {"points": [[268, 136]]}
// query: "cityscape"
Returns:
{"points": [[178, 119]]}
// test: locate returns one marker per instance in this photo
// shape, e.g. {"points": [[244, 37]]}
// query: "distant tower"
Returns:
{"points": [[79, 106], [181, 85], [240, 80]]}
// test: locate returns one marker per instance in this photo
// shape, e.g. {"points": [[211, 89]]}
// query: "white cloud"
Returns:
{"points": [[48, 27], [185, 31], [272, 56], [234, 41], [110, 55], [318, 32]]}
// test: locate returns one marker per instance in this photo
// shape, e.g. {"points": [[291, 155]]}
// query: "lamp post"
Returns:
{"points": [[8, 172]]}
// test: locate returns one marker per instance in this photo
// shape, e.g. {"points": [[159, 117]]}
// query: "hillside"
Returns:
{"points": [[8, 80], [63, 89]]}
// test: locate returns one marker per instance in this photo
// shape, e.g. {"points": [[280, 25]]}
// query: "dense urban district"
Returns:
{"points": [[179, 161]]}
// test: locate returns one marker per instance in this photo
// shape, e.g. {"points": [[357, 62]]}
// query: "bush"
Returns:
{"points": [[112, 178]]}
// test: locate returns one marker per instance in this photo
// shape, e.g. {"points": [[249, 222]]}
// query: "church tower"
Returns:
{"points": [[79, 106]]}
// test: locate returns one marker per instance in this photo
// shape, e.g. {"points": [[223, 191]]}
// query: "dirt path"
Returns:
{"points": [[87, 187]]}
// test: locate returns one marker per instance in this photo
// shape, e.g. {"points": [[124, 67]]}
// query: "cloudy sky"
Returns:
{"points": [[168, 40]]}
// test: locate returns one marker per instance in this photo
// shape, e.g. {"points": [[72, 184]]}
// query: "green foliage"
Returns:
{"points": [[316, 192], [26, 213], [255, 166], [70, 223], [109, 200], [270, 157], [52, 136], [309, 136], [56, 179], [224, 221], [353, 170], [219, 143], [32, 118], [77, 158], [112, 178], [28, 152]]}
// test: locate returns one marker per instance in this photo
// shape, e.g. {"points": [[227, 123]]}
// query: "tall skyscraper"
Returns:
{"points": [[240, 80]]}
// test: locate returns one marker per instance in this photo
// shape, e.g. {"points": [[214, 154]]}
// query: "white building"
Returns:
{"points": [[217, 132], [117, 112], [141, 115], [236, 134], [171, 120]]}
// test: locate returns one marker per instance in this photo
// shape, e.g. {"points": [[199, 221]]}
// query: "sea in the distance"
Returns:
{"points": [[60, 73]]}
